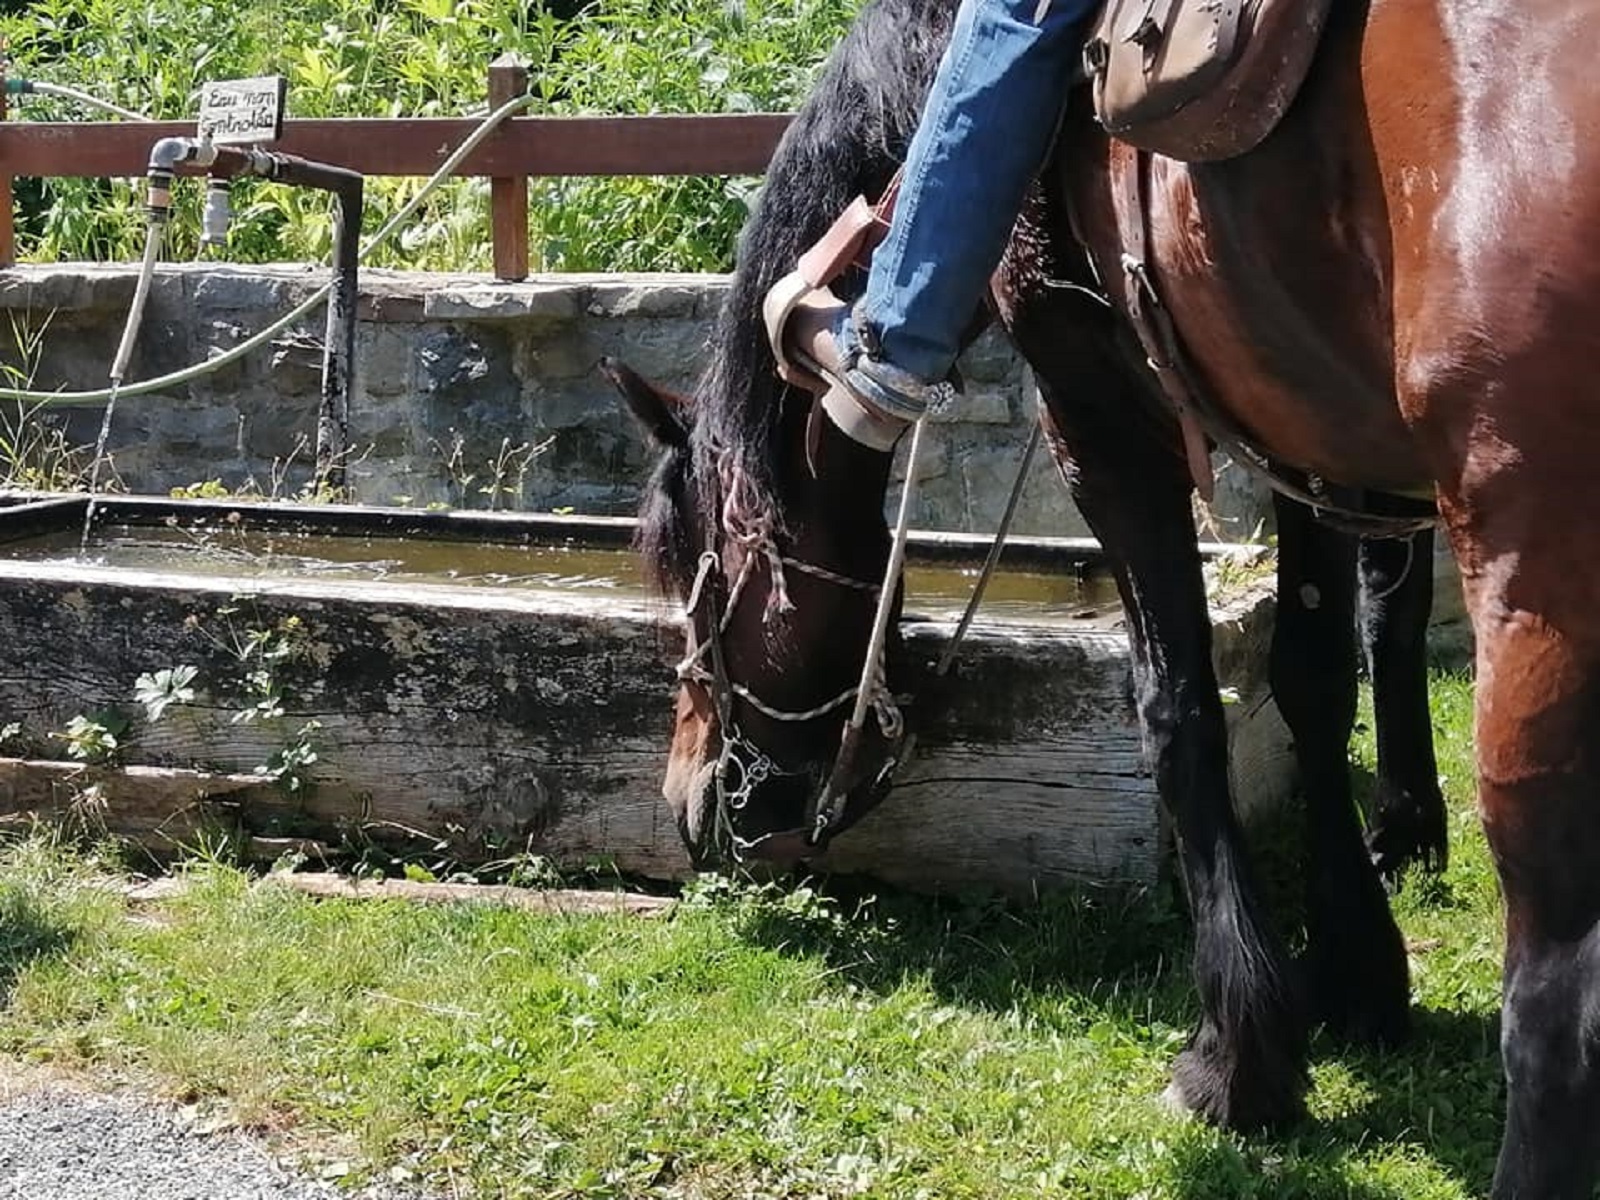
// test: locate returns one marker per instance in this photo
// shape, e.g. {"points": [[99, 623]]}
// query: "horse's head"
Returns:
{"points": [[776, 552]]}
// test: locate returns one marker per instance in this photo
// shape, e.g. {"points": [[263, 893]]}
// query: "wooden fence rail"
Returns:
{"points": [[523, 147]]}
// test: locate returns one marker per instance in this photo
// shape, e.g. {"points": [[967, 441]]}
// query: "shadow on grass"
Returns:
{"points": [[1209, 1169], [1127, 952], [1443, 1091], [985, 952], [29, 931]]}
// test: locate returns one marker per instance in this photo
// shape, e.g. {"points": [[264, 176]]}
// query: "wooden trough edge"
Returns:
{"points": [[479, 723]]}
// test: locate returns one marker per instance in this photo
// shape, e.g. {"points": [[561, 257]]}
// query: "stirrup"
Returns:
{"points": [[855, 416]]}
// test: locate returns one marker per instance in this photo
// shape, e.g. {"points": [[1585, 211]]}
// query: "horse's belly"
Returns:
{"points": [[1295, 357], [1280, 304], [1334, 424]]}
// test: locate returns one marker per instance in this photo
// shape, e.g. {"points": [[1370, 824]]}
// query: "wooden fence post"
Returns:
{"points": [[508, 196]]}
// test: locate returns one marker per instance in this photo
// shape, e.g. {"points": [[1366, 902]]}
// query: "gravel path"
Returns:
{"points": [[59, 1142]]}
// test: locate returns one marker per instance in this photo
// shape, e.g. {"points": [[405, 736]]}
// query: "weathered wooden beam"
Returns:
{"points": [[698, 144], [484, 723], [562, 901]]}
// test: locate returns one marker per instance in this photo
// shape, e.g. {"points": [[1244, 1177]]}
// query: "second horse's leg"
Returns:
{"points": [[1408, 817], [1355, 958]]}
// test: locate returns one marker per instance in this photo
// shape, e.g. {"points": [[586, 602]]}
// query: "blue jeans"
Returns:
{"points": [[990, 117]]}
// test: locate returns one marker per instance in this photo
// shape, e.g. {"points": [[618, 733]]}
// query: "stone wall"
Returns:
{"points": [[457, 379], [469, 392]]}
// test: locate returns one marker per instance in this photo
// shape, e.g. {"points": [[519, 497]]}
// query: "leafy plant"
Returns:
{"points": [[35, 454], [423, 58], [289, 766], [94, 739], [160, 690], [502, 479], [258, 653]]}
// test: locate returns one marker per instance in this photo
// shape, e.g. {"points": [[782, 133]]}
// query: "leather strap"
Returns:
{"points": [[850, 239], [1150, 320]]}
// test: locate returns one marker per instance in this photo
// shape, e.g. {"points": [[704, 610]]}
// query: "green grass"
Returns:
{"points": [[758, 1042]]}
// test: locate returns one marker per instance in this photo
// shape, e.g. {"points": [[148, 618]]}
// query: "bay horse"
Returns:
{"points": [[1389, 294]]}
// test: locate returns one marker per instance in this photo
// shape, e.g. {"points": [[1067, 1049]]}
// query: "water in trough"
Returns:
{"points": [[934, 589]]}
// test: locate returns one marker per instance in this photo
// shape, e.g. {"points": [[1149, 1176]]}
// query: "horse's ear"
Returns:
{"points": [[663, 413]]}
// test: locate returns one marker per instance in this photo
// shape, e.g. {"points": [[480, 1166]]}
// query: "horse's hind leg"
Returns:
{"points": [[1532, 594], [1355, 958], [1408, 816], [1538, 710], [1519, 508]]}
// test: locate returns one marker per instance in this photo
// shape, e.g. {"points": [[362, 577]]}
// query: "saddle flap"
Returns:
{"points": [[1149, 58], [1200, 79]]}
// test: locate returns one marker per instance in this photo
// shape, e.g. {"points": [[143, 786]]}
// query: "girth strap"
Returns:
{"points": [[1147, 314]]}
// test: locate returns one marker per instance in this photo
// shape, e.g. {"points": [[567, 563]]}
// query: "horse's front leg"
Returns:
{"points": [[1244, 1066], [1355, 958], [1408, 816]]}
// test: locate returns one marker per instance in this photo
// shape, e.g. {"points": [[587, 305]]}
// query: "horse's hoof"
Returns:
{"points": [[1407, 832], [1223, 1090], [1357, 979], [1378, 1026]]}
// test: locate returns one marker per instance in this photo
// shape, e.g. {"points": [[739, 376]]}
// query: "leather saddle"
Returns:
{"points": [[1199, 80]]}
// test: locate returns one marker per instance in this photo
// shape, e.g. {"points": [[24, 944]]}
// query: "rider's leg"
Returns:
{"points": [[985, 130]]}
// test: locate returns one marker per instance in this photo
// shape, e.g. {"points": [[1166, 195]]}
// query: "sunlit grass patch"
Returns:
{"points": [[758, 1041]]}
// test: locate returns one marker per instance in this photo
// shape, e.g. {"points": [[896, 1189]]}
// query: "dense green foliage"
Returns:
{"points": [[759, 1042], [422, 58]]}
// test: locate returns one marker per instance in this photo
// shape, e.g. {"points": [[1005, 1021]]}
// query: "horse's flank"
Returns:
{"points": [[1408, 218]]}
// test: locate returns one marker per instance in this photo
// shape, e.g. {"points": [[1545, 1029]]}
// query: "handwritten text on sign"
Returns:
{"points": [[237, 112]]}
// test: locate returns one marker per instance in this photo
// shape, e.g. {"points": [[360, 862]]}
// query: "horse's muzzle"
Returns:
{"points": [[826, 821]]}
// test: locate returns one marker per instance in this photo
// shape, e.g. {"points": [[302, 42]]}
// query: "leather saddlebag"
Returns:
{"points": [[1200, 80]]}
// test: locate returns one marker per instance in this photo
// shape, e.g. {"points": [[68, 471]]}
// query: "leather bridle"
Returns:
{"points": [[742, 766]]}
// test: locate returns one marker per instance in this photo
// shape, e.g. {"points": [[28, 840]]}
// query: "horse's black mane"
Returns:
{"points": [[846, 139]]}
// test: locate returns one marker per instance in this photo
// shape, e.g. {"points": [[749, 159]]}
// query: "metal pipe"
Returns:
{"points": [[339, 339], [339, 344]]}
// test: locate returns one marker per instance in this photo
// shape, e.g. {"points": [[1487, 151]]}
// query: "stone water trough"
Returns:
{"points": [[479, 686]]}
